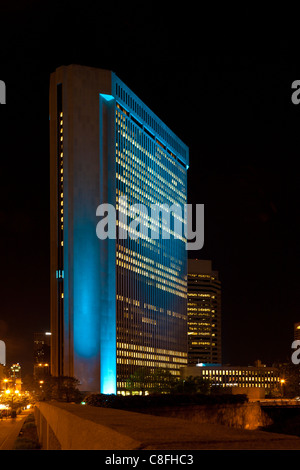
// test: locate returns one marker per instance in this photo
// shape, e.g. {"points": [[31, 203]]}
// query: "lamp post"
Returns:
{"points": [[12, 395], [282, 382]]}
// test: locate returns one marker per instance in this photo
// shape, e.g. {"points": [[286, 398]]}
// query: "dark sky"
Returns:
{"points": [[224, 87]]}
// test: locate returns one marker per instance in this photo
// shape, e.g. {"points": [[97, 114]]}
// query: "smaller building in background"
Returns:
{"points": [[253, 381], [41, 351], [15, 371], [296, 331], [204, 313], [14, 382]]}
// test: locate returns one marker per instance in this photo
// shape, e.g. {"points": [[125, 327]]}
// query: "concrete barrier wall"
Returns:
{"points": [[69, 426], [60, 429], [241, 416]]}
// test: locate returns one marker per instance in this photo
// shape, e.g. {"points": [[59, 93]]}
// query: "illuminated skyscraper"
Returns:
{"points": [[117, 304], [204, 313]]}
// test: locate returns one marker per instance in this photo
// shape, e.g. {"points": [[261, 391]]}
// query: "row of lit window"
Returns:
{"points": [[200, 309], [149, 307], [192, 294], [61, 195], [202, 333], [149, 320], [150, 184], [151, 224], [247, 379], [133, 253], [150, 349], [141, 194], [122, 115], [128, 300], [202, 343], [146, 117], [146, 363], [267, 375], [150, 220], [154, 155], [202, 276], [151, 357], [249, 385], [136, 167], [160, 283], [158, 272]]}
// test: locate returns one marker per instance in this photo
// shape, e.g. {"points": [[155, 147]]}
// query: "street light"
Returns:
{"points": [[282, 382]]}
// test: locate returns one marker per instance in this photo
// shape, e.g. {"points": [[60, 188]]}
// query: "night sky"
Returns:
{"points": [[225, 90]]}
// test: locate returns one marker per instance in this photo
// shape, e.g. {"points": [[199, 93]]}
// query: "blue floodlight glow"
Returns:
{"points": [[86, 301], [202, 364], [107, 97]]}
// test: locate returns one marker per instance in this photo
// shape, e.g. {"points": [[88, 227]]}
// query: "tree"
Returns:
{"points": [[193, 385], [163, 381], [65, 389], [15, 401], [139, 380], [55, 388], [290, 380]]}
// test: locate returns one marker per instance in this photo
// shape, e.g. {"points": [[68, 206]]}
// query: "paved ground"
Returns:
{"points": [[154, 432], [9, 430]]}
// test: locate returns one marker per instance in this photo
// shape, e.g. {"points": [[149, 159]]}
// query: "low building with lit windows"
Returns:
{"points": [[254, 381], [116, 304]]}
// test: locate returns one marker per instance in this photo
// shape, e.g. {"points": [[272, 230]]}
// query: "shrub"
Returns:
{"points": [[22, 443], [149, 401], [28, 438]]}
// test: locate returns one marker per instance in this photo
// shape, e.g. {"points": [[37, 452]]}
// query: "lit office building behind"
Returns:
{"points": [[41, 354], [254, 381], [117, 305], [204, 313]]}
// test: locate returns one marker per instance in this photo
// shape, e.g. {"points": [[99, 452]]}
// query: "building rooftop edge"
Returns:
{"points": [[168, 137]]}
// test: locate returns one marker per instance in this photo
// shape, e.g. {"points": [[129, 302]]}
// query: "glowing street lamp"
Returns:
{"points": [[282, 382]]}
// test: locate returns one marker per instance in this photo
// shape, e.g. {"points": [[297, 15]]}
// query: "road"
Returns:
{"points": [[9, 430]]}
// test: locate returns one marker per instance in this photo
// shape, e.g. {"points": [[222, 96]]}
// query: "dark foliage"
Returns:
{"points": [[160, 400], [28, 438]]}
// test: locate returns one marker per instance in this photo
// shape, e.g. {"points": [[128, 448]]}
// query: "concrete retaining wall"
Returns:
{"points": [[60, 429], [68, 426], [241, 416]]}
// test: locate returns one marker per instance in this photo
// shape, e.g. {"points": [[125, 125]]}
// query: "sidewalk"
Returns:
{"points": [[9, 431]]}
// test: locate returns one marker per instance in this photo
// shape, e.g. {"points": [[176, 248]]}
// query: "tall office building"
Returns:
{"points": [[41, 354], [204, 313], [117, 303]]}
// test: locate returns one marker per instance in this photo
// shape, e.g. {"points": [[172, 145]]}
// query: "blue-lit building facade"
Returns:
{"points": [[117, 304]]}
